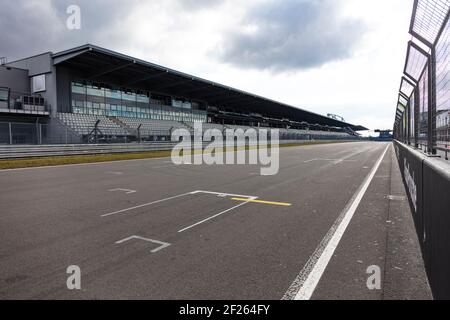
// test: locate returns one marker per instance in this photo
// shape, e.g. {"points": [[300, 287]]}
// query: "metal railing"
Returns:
{"points": [[57, 132], [31, 151], [15, 133], [23, 102]]}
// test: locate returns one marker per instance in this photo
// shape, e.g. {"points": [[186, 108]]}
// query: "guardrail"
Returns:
{"points": [[427, 181], [15, 152], [12, 152]]}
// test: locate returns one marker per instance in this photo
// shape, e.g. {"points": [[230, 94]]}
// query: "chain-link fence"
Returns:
{"points": [[14, 133], [423, 108], [55, 132]]}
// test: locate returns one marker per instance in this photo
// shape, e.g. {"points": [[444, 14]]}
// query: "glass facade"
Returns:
{"points": [[4, 96], [97, 99]]}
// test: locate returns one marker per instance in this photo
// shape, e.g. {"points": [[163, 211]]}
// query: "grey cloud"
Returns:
{"points": [[35, 26], [199, 4], [26, 26], [291, 35], [30, 27]]}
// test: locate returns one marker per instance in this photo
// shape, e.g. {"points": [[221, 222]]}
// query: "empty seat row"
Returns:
{"points": [[151, 127], [122, 126], [85, 124]]}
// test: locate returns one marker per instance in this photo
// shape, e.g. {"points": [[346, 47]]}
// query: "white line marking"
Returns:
{"points": [[166, 166], [162, 245], [173, 165], [223, 194], [144, 205], [337, 161], [216, 215], [127, 191], [117, 173], [334, 160], [306, 282], [312, 160], [397, 198], [219, 194], [343, 151]]}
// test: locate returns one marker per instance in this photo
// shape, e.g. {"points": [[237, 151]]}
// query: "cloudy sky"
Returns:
{"points": [[328, 56]]}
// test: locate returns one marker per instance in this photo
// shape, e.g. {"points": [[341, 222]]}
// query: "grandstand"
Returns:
{"points": [[101, 95], [130, 129], [84, 124]]}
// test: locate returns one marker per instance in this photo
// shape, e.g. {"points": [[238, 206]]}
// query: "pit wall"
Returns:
{"points": [[427, 182]]}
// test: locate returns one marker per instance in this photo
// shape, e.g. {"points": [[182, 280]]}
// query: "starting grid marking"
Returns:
{"points": [[143, 205], [284, 204], [127, 191], [235, 197], [219, 194], [223, 195], [245, 199], [213, 217], [162, 245]]}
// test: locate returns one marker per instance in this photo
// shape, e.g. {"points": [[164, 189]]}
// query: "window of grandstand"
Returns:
{"points": [[181, 104], [4, 97], [98, 99]]}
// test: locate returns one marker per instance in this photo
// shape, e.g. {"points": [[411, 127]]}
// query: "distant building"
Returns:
{"points": [[443, 126]]}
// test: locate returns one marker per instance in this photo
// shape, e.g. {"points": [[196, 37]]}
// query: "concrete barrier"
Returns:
{"points": [[427, 182]]}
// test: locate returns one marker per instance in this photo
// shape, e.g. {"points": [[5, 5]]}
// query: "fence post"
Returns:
{"points": [[139, 133], [10, 134], [409, 123], [39, 128], [432, 102], [416, 116]]}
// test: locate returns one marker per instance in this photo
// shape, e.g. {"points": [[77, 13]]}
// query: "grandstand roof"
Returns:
{"points": [[96, 62]]}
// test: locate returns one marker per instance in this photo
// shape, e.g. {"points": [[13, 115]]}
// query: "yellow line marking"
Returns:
{"points": [[284, 204]]}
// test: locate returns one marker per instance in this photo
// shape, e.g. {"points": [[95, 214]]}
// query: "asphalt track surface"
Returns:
{"points": [[147, 229]]}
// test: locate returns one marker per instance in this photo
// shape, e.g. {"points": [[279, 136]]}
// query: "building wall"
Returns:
{"points": [[15, 79], [38, 65], [35, 65]]}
